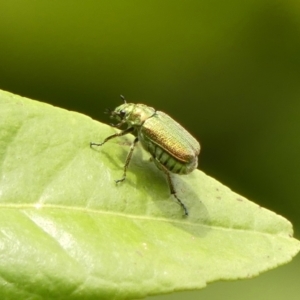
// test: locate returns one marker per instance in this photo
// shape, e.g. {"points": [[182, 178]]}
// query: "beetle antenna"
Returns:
{"points": [[107, 111], [123, 98]]}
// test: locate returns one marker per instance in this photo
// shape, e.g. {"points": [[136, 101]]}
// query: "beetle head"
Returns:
{"points": [[121, 114]]}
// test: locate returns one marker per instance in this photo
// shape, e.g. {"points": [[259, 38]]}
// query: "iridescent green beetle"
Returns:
{"points": [[172, 148]]}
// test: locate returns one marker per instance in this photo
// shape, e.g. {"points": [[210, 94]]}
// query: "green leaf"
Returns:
{"points": [[68, 232]]}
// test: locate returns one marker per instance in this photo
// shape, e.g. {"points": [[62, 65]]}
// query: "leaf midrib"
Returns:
{"points": [[136, 217]]}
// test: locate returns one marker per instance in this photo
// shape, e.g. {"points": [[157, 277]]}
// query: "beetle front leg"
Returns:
{"points": [[128, 159], [126, 131], [171, 185]]}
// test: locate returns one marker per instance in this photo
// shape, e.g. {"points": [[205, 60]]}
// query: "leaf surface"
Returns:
{"points": [[68, 232]]}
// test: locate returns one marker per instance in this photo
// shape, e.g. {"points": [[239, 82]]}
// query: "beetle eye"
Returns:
{"points": [[122, 114]]}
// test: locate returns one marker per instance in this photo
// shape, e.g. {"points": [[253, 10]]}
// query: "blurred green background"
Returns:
{"points": [[229, 71]]}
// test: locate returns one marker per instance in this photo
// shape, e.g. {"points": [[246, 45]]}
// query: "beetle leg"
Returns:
{"points": [[128, 130], [171, 185], [128, 159]]}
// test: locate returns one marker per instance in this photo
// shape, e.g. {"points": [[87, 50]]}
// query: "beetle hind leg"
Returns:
{"points": [[171, 185]]}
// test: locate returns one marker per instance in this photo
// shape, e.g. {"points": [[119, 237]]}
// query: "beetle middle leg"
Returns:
{"points": [[128, 159], [171, 185]]}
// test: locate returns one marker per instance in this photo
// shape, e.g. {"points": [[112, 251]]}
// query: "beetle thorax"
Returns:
{"points": [[140, 114]]}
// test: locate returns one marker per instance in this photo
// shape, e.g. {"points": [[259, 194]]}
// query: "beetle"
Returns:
{"points": [[173, 148]]}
